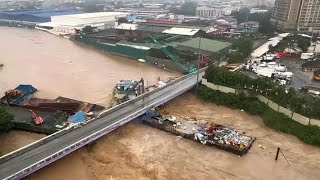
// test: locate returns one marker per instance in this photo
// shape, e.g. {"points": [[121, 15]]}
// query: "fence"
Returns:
{"points": [[293, 115], [119, 49]]}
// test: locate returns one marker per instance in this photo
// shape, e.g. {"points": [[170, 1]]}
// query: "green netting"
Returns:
{"points": [[128, 51]]}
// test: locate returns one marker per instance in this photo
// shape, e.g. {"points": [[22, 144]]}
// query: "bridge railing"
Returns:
{"points": [[108, 111], [103, 113]]}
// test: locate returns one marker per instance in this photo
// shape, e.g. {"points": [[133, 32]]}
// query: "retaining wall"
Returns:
{"points": [[263, 99], [314, 122], [286, 111], [300, 119], [226, 89], [294, 116], [119, 49], [273, 105]]}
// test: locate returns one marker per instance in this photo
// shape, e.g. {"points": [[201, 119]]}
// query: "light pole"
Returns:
{"points": [[198, 66]]}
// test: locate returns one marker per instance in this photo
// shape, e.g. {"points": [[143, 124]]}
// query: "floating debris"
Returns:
{"points": [[221, 136]]}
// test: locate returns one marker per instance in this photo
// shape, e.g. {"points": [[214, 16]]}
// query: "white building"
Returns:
{"points": [[257, 10], [66, 24], [99, 18], [209, 12]]}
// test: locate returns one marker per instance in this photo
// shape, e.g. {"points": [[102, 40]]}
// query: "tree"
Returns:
{"points": [[88, 29], [6, 123], [243, 46], [141, 5], [242, 15], [271, 48], [303, 44], [122, 20], [265, 27], [189, 8]]}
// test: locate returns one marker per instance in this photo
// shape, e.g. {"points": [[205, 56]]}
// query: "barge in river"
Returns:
{"points": [[220, 136]]}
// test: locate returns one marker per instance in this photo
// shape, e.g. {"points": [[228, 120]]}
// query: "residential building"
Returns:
{"points": [[301, 15], [285, 14], [309, 17], [209, 12]]}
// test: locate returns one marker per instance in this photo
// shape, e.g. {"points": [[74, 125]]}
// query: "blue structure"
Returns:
{"points": [[35, 15], [78, 117], [26, 91]]}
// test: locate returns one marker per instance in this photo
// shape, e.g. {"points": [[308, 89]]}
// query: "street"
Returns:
{"points": [[299, 78]]}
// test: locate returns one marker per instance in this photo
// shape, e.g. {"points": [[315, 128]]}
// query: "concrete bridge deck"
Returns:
{"points": [[25, 163]]}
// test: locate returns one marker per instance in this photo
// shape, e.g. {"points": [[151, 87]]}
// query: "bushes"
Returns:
{"points": [[6, 122], [250, 104], [271, 118], [289, 98]]}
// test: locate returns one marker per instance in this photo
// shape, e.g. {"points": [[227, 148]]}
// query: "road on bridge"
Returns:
{"points": [[27, 159]]}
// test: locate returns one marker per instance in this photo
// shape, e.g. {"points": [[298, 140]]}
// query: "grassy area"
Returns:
{"points": [[271, 118]]}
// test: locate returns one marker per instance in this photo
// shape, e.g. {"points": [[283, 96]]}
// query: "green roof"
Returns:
{"points": [[208, 45]]}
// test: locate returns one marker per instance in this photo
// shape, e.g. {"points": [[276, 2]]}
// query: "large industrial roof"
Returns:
{"points": [[97, 14], [208, 45], [35, 15], [181, 31]]}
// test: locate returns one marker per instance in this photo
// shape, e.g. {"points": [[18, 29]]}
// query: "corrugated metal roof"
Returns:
{"points": [[311, 64], [207, 45], [265, 47], [97, 14], [151, 28], [127, 26], [181, 31]]}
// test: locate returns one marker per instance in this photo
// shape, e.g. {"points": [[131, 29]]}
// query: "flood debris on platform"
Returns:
{"points": [[223, 137], [45, 115]]}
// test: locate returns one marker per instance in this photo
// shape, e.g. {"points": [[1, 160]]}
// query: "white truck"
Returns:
{"points": [[306, 56]]}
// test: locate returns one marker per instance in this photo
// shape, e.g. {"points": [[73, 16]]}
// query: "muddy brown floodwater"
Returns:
{"points": [[137, 151], [59, 67]]}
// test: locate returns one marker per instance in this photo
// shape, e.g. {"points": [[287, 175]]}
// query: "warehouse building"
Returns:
{"points": [[35, 15], [101, 20]]}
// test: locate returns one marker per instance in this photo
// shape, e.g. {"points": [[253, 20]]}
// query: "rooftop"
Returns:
{"points": [[311, 64], [97, 14], [208, 45], [181, 31]]}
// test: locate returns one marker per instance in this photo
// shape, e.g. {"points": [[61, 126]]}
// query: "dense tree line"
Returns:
{"points": [[292, 41], [188, 8], [288, 98], [242, 47], [271, 118], [243, 15]]}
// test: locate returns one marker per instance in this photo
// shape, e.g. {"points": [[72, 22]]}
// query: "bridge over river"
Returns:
{"points": [[31, 158]]}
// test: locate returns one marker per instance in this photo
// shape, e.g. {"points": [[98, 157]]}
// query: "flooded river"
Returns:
{"points": [[57, 66]]}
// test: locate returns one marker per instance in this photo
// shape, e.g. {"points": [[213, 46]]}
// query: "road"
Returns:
{"points": [[299, 79], [39, 153]]}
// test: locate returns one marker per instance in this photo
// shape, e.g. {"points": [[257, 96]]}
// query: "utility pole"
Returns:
{"points": [[198, 65]]}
